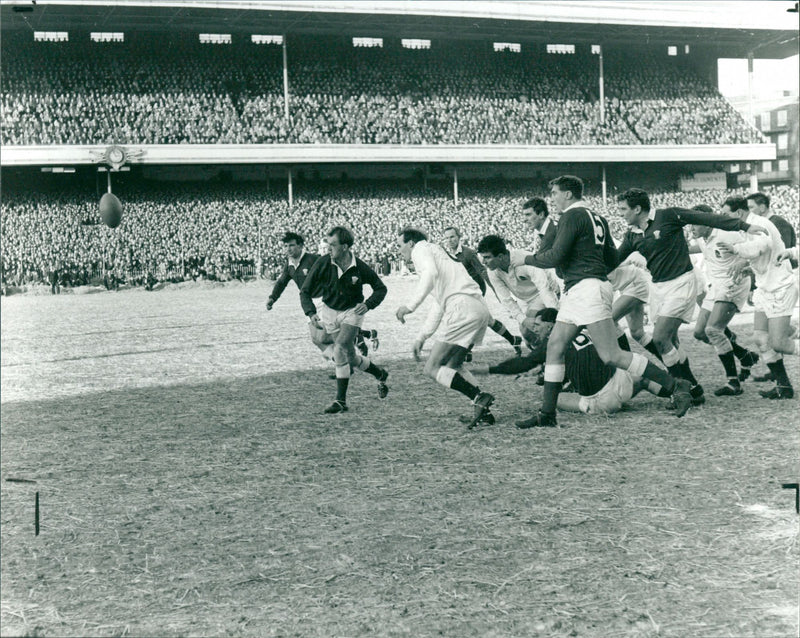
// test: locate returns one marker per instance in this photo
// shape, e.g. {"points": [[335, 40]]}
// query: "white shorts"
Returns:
{"points": [[611, 397], [674, 298], [532, 306], [332, 320], [776, 303], [587, 302], [726, 290], [631, 281], [465, 320]]}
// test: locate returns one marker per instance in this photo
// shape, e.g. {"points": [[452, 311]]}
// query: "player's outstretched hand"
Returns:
{"points": [[314, 319], [360, 308], [418, 350], [401, 313], [787, 253], [756, 230], [269, 304], [518, 258]]}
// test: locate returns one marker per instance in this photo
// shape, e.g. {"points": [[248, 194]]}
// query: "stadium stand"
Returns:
{"points": [[219, 232], [90, 93]]}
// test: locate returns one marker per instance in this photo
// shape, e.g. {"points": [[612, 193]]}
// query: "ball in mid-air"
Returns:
{"points": [[110, 210]]}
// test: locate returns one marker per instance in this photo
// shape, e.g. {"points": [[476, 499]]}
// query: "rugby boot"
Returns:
{"points": [[373, 339], [517, 345], [539, 420], [481, 404], [383, 389], [336, 407], [362, 345], [698, 395], [747, 362], [682, 397], [730, 389], [486, 419], [764, 378], [778, 392]]}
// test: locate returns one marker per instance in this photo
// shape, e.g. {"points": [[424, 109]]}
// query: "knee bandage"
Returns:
{"points": [[444, 375], [717, 338], [638, 365], [671, 358], [554, 372]]}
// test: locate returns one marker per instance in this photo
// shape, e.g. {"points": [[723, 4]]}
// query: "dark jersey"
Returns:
{"points": [[663, 243], [582, 249], [786, 230], [341, 293], [548, 237], [584, 367], [298, 275], [473, 264]]}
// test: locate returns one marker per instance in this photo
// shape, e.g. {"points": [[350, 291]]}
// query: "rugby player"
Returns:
{"points": [[298, 263], [538, 218], [464, 314], [775, 296], [340, 277], [724, 298], [477, 271], [583, 253], [658, 236]]}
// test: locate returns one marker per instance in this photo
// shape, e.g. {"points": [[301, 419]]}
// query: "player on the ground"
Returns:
{"points": [[598, 388], [523, 290], [340, 277], [454, 246], [583, 253], [724, 298], [774, 298], [464, 314], [658, 236], [298, 263]]}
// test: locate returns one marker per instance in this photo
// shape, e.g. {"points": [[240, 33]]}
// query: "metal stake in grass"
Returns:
{"points": [[796, 488], [36, 514]]}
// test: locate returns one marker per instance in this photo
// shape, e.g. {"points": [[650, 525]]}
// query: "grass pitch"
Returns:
{"points": [[190, 485]]}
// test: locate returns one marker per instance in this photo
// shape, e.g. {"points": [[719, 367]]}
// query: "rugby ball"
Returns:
{"points": [[110, 210]]}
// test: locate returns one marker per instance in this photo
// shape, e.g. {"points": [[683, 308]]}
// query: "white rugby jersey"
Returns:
{"points": [[717, 266], [761, 251], [525, 283], [440, 275]]}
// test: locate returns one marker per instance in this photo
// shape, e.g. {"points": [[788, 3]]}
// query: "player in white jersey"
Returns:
{"points": [[465, 316], [725, 296], [775, 296], [523, 290]]}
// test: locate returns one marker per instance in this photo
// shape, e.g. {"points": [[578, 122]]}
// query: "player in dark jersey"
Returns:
{"points": [[758, 204], [658, 235], [583, 254], [456, 249], [538, 218], [298, 264], [597, 388], [340, 277]]}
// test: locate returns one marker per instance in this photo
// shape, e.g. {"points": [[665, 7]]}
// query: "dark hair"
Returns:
{"points": [[569, 183], [759, 198], [735, 202], [412, 234], [290, 236], [703, 208], [344, 235], [548, 314], [537, 204], [636, 197], [492, 244], [458, 232]]}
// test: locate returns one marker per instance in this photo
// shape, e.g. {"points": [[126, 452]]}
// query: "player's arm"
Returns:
{"points": [[379, 290], [477, 264], [425, 266], [626, 248], [506, 298], [279, 287], [566, 233], [750, 248], [610, 253], [430, 326], [546, 294], [789, 253], [724, 222], [312, 282]]}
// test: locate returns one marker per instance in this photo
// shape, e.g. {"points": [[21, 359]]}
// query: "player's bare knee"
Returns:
{"points": [[761, 340], [431, 368]]}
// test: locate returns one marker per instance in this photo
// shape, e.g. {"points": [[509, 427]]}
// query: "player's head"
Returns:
{"points": [[566, 190], [340, 240], [293, 243], [535, 211], [697, 229], [736, 206], [537, 329], [758, 203], [493, 252], [632, 204], [407, 239], [452, 237]]}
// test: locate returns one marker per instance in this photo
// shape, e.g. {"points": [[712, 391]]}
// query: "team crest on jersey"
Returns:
{"points": [[305, 271], [354, 279], [657, 234]]}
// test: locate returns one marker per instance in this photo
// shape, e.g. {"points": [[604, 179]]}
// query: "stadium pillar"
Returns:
{"points": [[455, 186], [751, 118], [285, 89], [753, 177], [605, 186], [602, 102], [289, 184]]}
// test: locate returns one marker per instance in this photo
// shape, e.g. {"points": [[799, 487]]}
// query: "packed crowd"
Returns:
{"points": [[181, 92], [190, 232]]}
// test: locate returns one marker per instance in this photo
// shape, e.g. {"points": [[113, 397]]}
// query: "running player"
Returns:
{"points": [[583, 253], [468, 257], [658, 236], [464, 314], [340, 277], [724, 298], [774, 298]]}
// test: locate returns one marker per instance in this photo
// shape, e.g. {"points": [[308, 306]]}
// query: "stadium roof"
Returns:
{"points": [[722, 28]]}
